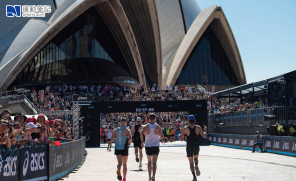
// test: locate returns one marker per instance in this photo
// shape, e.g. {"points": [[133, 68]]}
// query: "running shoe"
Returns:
{"points": [[119, 177], [124, 179], [194, 179], [137, 159], [140, 165], [152, 178], [197, 170]]}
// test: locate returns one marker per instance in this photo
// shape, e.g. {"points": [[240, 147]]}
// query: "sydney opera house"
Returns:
{"points": [[167, 42]]}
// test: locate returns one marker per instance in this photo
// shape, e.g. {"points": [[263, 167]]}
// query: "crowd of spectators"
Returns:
{"points": [[59, 97], [22, 129]]}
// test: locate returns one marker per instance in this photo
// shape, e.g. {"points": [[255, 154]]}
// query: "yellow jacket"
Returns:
{"points": [[280, 129]]}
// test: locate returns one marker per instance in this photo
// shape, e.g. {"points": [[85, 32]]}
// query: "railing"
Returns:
{"points": [[253, 117], [284, 114], [30, 104], [13, 99]]}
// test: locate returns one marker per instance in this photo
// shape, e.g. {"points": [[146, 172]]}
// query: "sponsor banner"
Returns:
{"points": [[9, 163], [63, 159], [281, 145], [81, 98], [232, 140], [34, 162]]}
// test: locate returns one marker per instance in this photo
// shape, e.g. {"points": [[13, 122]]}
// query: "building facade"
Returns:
{"points": [[167, 42]]}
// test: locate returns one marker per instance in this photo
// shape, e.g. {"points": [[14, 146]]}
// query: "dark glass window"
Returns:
{"points": [[208, 64], [84, 51]]}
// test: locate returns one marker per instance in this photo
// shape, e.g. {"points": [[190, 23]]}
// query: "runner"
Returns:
{"points": [[136, 130], [153, 133], [110, 132], [122, 141], [193, 133]]}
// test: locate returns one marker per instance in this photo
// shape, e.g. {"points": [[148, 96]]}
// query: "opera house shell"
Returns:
{"points": [[167, 42]]}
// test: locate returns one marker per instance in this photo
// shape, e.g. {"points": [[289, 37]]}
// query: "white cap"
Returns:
{"points": [[31, 125], [139, 119]]}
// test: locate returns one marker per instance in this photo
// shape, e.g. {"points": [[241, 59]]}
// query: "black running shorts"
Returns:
{"points": [[108, 139], [121, 152], [152, 150], [192, 150], [138, 144]]}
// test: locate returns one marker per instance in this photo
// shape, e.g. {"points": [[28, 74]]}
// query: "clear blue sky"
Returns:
{"points": [[265, 32]]}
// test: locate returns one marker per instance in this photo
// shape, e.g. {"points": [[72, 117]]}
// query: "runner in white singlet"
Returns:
{"points": [[110, 132], [153, 133]]}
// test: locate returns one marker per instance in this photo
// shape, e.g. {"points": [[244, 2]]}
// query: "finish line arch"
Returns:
{"points": [[91, 113]]}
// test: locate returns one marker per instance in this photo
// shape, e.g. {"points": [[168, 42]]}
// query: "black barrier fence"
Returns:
{"points": [[40, 161], [272, 144], [9, 163], [63, 159], [34, 162]]}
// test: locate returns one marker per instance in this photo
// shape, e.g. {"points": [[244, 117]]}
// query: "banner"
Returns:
{"points": [[280, 145], [63, 159], [9, 163], [81, 98], [235, 141], [33, 162]]}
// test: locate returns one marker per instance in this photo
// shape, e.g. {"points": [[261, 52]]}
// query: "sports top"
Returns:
{"points": [[152, 140], [193, 138], [120, 141], [137, 133], [109, 134]]}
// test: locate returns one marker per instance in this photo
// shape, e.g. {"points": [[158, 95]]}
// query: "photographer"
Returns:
{"points": [[259, 141]]}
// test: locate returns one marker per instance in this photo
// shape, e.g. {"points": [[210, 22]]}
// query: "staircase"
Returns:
{"points": [[18, 103]]}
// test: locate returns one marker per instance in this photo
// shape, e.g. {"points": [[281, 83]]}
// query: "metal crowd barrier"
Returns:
{"points": [[253, 117]]}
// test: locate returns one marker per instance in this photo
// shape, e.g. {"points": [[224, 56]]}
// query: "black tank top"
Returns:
{"points": [[137, 134], [193, 138]]}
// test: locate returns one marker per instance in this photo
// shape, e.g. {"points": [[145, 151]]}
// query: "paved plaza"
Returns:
{"points": [[216, 163]]}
